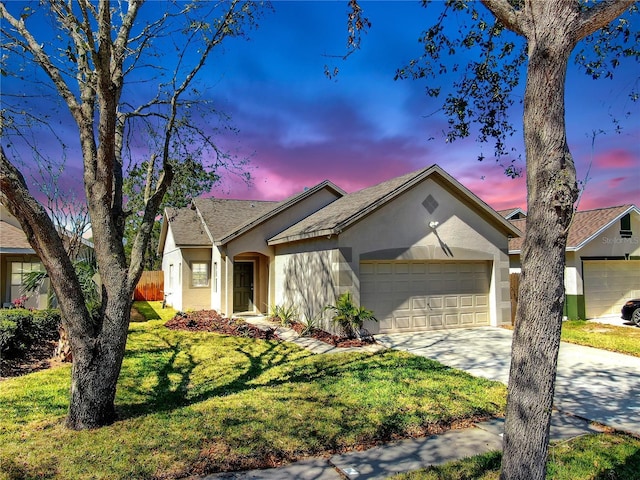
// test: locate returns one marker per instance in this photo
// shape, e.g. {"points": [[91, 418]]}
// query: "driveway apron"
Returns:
{"points": [[594, 384]]}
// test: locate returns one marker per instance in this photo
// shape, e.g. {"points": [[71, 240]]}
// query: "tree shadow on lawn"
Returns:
{"points": [[276, 362]]}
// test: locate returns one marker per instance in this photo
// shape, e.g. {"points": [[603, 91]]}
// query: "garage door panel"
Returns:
{"points": [[403, 323], [413, 296], [451, 302], [436, 303], [451, 319], [467, 318], [608, 284], [466, 301]]}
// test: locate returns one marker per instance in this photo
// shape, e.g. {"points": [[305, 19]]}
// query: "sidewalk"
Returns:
{"points": [[406, 455], [389, 459]]}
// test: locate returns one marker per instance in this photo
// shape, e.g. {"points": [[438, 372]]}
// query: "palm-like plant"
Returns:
{"points": [[350, 317]]}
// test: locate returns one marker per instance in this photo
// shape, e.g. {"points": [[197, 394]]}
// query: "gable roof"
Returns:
{"points": [[512, 212], [586, 225], [344, 212], [217, 221], [278, 208], [221, 217], [186, 226]]}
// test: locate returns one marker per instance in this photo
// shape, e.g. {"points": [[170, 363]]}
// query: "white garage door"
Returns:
{"points": [[413, 296], [608, 284]]}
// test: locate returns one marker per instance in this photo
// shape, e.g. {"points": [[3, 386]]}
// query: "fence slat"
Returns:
{"points": [[150, 287], [514, 284]]}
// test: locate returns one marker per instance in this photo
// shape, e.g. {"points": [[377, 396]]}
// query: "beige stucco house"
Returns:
{"points": [[420, 250], [602, 259]]}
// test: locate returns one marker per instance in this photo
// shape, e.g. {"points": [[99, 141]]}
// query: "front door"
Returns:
{"points": [[242, 286]]}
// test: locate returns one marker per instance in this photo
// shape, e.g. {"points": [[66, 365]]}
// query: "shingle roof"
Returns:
{"points": [[338, 215], [12, 238], [187, 228], [222, 217], [509, 212], [585, 225]]}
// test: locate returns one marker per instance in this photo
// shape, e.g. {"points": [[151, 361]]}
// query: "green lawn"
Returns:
{"points": [[192, 403], [599, 335], [591, 457]]}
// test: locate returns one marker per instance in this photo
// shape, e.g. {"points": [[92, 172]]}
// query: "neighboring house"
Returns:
{"points": [[17, 258], [513, 213], [420, 250], [602, 260]]}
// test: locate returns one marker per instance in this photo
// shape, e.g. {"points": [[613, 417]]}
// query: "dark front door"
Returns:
{"points": [[242, 286]]}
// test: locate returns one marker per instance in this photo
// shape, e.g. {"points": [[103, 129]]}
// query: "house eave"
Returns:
{"points": [[329, 232], [16, 251]]}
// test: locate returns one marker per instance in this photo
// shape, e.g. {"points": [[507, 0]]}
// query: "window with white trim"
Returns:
{"points": [[200, 274]]}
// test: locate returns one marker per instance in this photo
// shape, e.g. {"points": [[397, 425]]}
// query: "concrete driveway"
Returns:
{"points": [[595, 384]]}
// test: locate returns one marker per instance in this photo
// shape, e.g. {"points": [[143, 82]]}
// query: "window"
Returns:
{"points": [[625, 226], [199, 274], [19, 271], [171, 276]]}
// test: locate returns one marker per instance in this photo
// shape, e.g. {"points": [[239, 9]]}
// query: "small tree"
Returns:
{"points": [[349, 316]]}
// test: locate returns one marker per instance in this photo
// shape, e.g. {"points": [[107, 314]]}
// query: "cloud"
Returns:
{"points": [[616, 158]]}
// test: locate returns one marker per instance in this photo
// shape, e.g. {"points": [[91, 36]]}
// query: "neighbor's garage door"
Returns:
{"points": [[608, 284], [413, 296]]}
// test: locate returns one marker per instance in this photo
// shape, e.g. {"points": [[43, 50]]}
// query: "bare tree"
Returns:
{"points": [[108, 47]]}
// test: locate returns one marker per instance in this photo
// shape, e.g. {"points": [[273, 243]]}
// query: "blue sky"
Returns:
{"points": [[298, 127]]}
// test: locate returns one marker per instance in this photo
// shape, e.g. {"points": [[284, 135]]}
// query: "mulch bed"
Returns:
{"points": [[334, 340], [212, 321]]}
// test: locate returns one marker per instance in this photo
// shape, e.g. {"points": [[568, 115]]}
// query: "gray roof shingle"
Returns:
{"points": [[222, 217], [584, 226], [187, 228]]}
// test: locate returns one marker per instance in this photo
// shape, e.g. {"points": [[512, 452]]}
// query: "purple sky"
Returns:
{"points": [[299, 128]]}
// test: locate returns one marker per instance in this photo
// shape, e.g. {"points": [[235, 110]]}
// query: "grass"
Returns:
{"points": [[154, 311], [591, 457], [598, 335], [191, 403]]}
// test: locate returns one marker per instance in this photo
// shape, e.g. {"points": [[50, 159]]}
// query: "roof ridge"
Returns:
{"points": [[625, 205]]}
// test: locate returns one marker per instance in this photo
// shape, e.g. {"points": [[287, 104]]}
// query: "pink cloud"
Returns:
{"points": [[615, 158]]}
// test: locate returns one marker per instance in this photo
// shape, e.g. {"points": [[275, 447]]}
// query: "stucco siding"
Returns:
{"points": [[400, 230], [195, 297], [171, 259], [307, 277]]}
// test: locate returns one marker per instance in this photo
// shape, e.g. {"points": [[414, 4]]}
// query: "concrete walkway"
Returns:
{"points": [[591, 383], [406, 455]]}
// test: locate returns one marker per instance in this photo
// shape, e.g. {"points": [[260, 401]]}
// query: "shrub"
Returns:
{"points": [[20, 328], [350, 317], [286, 315], [8, 329]]}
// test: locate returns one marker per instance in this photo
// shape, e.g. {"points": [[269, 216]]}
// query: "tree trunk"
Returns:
{"points": [[96, 369], [551, 193]]}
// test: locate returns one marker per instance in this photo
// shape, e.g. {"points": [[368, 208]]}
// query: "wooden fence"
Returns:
{"points": [[514, 284], [150, 287]]}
